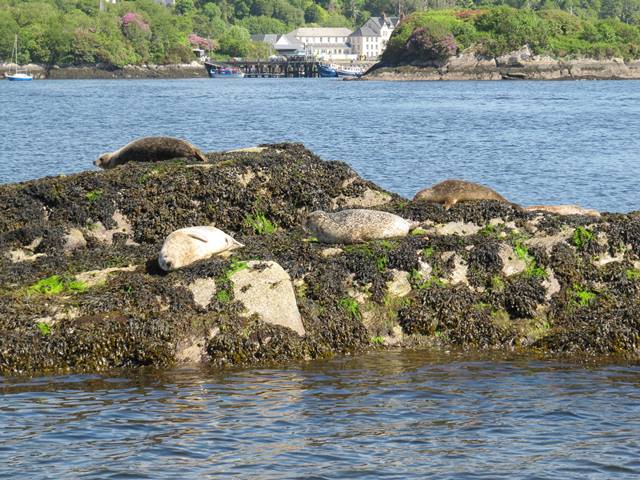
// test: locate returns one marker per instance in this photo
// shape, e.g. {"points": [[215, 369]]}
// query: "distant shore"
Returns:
{"points": [[40, 72], [518, 65]]}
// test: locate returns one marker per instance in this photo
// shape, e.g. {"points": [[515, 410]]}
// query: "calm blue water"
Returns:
{"points": [[535, 142], [386, 415]]}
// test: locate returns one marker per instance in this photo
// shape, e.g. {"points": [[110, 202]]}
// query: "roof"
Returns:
{"points": [[372, 27], [365, 31], [321, 32], [288, 42], [270, 38]]}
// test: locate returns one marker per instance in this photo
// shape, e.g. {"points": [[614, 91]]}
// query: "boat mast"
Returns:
{"points": [[15, 50]]}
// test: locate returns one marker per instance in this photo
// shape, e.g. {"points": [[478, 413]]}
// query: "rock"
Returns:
{"points": [[550, 284], [192, 349], [265, 289], [73, 240], [99, 232], [511, 264], [95, 277], [331, 252], [399, 286], [370, 198], [454, 228], [203, 290]]}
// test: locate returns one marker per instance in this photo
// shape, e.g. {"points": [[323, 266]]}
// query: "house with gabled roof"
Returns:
{"points": [[370, 40]]}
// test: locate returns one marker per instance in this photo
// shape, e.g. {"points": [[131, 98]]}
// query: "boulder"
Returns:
{"points": [[265, 289]]}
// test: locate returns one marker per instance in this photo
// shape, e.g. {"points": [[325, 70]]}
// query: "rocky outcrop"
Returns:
{"points": [[188, 70], [522, 64], [82, 290]]}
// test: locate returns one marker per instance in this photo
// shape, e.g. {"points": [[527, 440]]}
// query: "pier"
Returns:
{"points": [[291, 68]]}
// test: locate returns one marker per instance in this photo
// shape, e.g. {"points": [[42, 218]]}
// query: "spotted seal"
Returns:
{"points": [[150, 149], [451, 192], [188, 245], [356, 225]]}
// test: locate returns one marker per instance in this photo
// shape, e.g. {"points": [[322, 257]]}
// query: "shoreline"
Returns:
{"points": [[129, 72], [519, 65]]}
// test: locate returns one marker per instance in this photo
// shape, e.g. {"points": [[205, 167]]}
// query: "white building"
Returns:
{"points": [[325, 43], [370, 40]]}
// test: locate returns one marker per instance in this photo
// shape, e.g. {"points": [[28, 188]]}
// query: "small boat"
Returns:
{"points": [[19, 75], [327, 71], [223, 71], [348, 71]]}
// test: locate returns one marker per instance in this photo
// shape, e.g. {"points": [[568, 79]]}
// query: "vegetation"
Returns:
{"points": [[435, 35], [56, 284], [260, 224], [76, 32], [581, 236]]}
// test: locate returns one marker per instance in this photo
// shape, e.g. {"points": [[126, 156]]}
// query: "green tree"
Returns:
{"points": [[263, 25], [236, 42]]}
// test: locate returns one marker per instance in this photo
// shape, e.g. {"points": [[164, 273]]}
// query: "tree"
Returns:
{"points": [[263, 24], [184, 7], [236, 42], [314, 13]]}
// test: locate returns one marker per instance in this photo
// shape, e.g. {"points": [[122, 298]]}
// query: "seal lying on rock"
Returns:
{"points": [[451, 192], [563, 210], [191, 244], [356, 225], [150, 149]]}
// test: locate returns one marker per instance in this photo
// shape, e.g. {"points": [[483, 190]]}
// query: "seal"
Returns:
{"points": [[188, 245], [150, 149], [563, 210], [356, 225], [451, 192]]}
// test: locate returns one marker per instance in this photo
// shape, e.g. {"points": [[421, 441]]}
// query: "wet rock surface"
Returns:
{"points": [[85, 293]]}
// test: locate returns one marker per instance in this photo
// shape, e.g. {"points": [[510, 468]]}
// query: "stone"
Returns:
{"points": [[265, 289], [203, 290], [511, 264], [92, 278], [399, 285], [330, 252], [193, 349], [550, 284], [99, 232], [455, 228], [370, 198], [73, 240]]}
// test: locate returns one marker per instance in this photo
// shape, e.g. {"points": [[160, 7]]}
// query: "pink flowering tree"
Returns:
{"points": [[133, 24], [197, 41]]}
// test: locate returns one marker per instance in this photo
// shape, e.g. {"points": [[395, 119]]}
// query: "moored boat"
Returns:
{"points": [[348, 71], [327, 71], [223, 71], [18, 75]]}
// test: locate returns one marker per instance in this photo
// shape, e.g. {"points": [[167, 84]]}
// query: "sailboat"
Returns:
{"points": [[18, 74]]}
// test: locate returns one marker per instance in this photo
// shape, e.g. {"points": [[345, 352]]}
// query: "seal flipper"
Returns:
{"points": [[197, 237], [198, 155]]}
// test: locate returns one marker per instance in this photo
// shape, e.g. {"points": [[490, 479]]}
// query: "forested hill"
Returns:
{"points": [[76, 32]]}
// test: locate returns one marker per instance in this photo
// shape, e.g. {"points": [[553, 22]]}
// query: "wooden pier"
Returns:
{"points": [[273, 69]]}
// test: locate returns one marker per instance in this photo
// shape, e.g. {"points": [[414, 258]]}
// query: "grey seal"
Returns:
{"points": [[356, 225], [150, 149], [450, 192]]}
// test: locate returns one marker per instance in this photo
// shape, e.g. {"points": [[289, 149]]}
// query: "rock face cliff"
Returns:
{"points": [[518, 65], [82, 291]]}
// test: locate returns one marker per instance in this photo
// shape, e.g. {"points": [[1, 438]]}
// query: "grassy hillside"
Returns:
{"points": [[494, 31]]}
